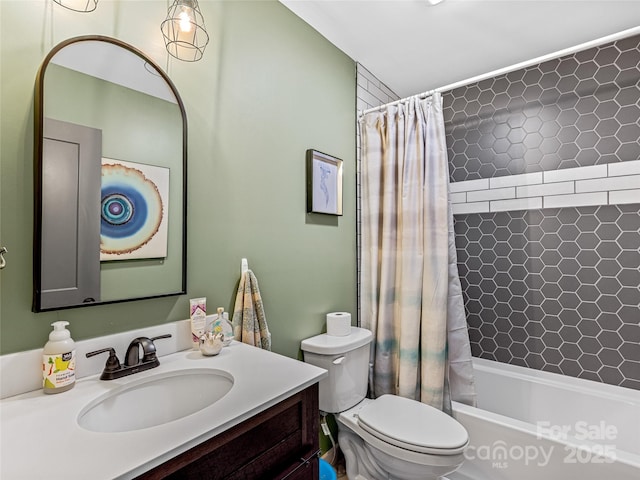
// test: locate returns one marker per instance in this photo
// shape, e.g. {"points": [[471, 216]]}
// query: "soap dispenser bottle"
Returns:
{"points": [[221, 324], [59, 360]]}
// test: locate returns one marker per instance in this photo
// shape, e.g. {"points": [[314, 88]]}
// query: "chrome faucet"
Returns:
{"points": [[133, 362]]}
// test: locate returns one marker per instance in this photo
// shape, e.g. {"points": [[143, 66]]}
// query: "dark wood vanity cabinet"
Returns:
{"points": [[279, 443]]}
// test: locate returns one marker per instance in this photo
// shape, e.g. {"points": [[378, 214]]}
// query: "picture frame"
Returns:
{"points": [[324, 183], [134, 211]]}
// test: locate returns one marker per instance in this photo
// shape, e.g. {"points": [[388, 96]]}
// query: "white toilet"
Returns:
{"points": [[387, 438]]}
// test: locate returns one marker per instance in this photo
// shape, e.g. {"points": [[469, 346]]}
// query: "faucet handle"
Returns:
{"points": [[148, 350], [112, 365], [166, 335]]}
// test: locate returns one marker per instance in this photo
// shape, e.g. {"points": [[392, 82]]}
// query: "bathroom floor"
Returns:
{"points": [[339, 466], [341, 471], [337, 463]]}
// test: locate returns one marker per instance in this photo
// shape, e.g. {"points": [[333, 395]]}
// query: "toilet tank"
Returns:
{"points": [[346, 358]]}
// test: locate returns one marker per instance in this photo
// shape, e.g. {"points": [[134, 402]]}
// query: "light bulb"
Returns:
{"points": [[183, 30], [185, 20]]}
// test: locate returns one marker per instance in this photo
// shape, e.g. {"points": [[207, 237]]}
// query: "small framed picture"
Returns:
{"points": [[324, 183]]}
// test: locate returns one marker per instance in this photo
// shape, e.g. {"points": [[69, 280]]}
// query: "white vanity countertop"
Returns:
{"points": [[40, 436]]}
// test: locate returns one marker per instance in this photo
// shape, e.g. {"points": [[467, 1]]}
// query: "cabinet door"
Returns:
{"points": [[277, 444], [306, 470]]}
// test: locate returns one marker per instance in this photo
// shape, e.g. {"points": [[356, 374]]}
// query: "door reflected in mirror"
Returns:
{"points": [[110, 177]]}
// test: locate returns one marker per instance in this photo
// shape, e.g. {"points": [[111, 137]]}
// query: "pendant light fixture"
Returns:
{"points": [[184, 33], [78, 5]]}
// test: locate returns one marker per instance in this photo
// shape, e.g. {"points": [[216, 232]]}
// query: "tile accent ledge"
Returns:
{"points": [[611, 184]]}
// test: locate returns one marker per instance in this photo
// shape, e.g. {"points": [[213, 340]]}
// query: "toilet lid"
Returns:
{"points": [[412, 425]]}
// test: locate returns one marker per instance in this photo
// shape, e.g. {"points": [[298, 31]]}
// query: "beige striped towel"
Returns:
{"points": [[249, 320]]}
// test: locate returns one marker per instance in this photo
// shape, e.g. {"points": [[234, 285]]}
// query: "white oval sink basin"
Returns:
{"points": [[155, 400]]}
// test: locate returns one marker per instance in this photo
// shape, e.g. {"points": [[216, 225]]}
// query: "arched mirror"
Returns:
{"points": [[110, 177]]}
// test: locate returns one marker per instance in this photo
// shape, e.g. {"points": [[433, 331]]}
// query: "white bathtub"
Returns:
{"points": [[534, 425]]}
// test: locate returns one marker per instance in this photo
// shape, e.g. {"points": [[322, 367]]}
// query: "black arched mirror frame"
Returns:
{"points": [[144, 275]]}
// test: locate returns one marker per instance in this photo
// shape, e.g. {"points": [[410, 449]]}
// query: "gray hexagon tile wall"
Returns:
{"points": [[552, 289]]}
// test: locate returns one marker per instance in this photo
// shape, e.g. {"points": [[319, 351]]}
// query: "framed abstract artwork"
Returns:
{"points": [[134, 213], [324, 183]]}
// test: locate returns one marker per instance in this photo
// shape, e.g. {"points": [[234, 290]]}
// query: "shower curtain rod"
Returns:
{"points": [[561, 53], [426, 94]]}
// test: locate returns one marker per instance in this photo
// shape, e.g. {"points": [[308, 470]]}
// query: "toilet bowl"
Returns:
{"points": [[390, 437]]}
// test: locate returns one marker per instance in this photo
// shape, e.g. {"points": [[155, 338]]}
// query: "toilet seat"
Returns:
{"points": [[412, 425]]}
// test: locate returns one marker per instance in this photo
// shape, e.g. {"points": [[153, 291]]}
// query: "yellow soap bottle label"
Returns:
{"points": [[59, 370]]}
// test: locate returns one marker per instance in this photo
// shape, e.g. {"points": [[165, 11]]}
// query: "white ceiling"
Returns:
{"points": [[412, 46], [114, 64]]}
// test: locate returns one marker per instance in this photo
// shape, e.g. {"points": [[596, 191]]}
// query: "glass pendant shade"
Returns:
{"points": [[78, 5], [184, 33]]}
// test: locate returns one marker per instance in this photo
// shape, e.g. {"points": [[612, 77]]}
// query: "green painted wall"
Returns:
{"points": [[268, 88]]}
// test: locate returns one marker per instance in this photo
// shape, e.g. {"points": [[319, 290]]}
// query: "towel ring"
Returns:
{"points": [[3, 262]]}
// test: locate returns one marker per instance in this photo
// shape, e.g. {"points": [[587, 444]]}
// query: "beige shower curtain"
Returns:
{"points": [[410, 291]]}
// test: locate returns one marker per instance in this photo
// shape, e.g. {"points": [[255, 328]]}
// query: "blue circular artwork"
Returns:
{"points": [[131, 209]]}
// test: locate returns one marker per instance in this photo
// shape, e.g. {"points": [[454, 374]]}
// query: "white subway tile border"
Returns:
{"points": [[624, 196], [576, 200], [627, 182], [532, 203], [492, 194], [624, 168], [516, 180], [612, 184], [458, 197], [545, 189], [478, 207], [469, 185], [579, 173]]}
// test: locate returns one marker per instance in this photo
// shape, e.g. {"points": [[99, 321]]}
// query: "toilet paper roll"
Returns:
{"points": [[338, 324]]}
